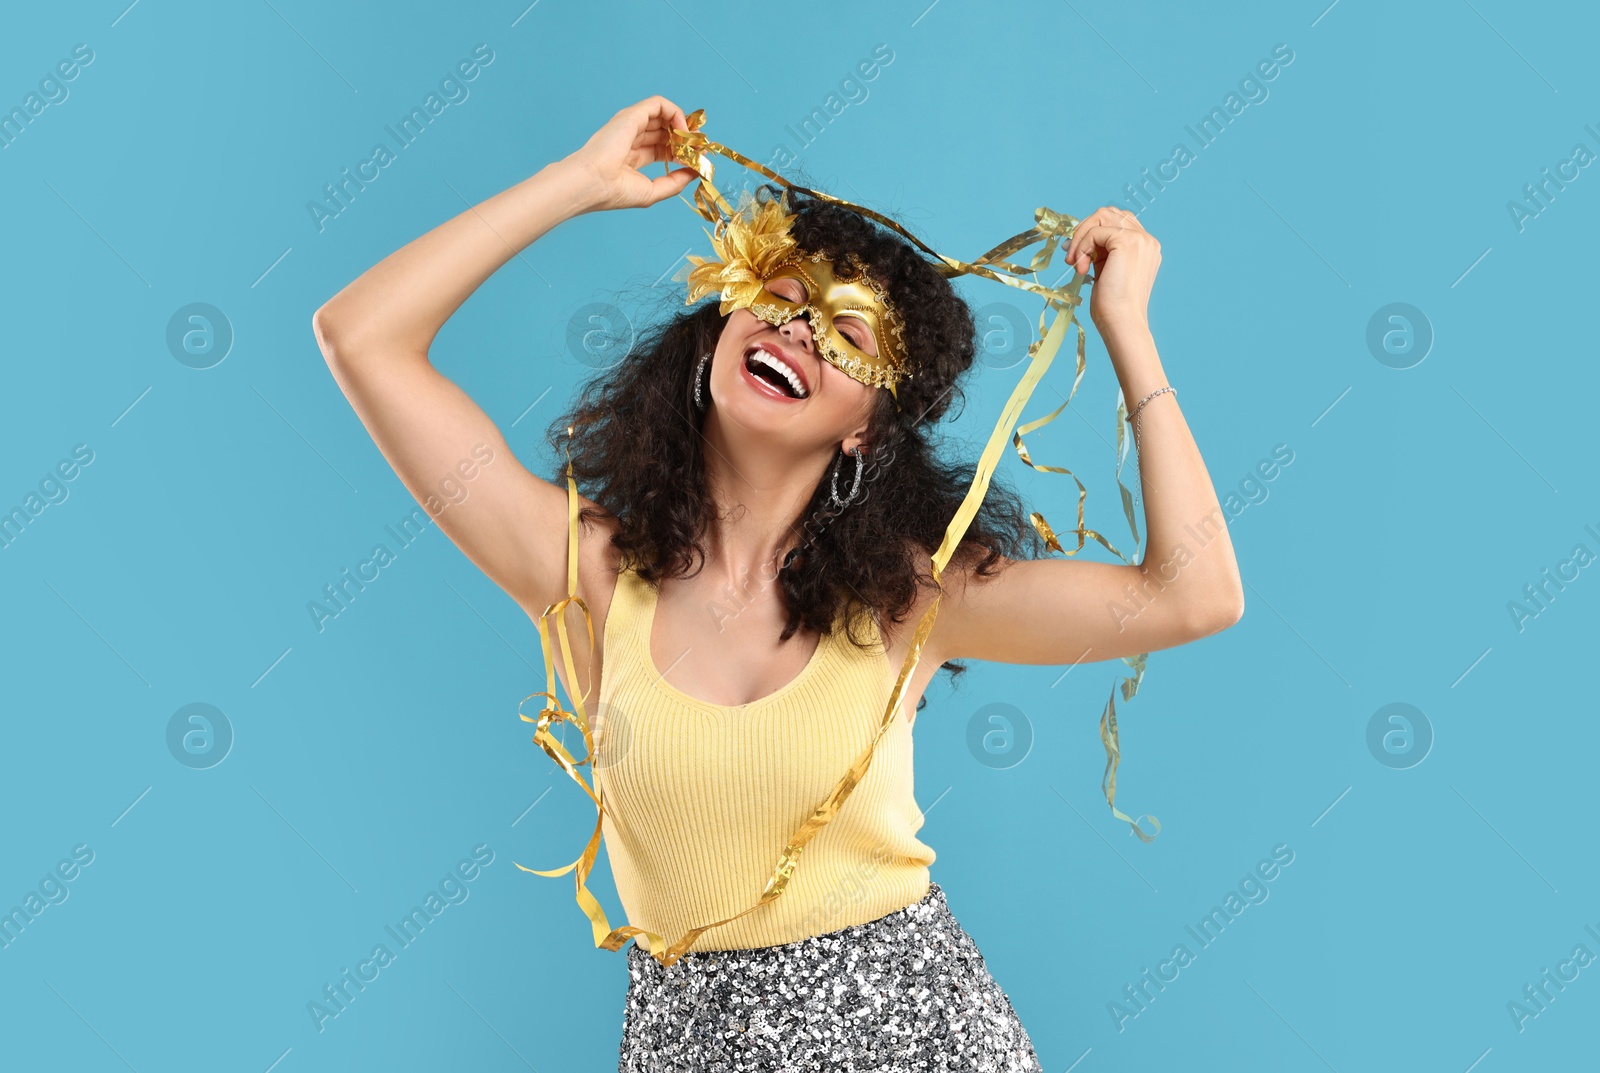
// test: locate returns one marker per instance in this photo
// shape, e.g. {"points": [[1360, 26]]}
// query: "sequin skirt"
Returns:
{"points": [[907, 991]]}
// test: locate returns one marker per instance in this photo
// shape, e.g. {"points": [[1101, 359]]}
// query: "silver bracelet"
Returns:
{"points": [[1133, 418]]}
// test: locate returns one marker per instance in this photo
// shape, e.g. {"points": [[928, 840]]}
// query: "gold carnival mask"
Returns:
{"points": [[755, 250]]}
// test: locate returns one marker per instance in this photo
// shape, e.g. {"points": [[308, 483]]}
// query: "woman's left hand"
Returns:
{"points": [[1127, 257]]}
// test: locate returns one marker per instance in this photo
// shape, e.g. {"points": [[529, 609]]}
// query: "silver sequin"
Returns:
{"points": [[908, 991]]}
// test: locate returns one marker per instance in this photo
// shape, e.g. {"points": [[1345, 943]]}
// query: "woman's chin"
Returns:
{"points": [[748, 414], [756, 415]]}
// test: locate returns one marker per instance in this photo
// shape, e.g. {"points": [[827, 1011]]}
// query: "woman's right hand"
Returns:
{"points": [[635, 137]]}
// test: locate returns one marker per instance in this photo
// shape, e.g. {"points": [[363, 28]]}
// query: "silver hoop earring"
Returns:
{"points": [[699, 370], [855, 487]]}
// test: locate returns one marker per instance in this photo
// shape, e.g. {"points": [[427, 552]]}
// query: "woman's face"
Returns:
{"points": [[772, 379]]}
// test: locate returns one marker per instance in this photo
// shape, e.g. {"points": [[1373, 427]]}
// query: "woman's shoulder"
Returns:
{"points": [[962, 566], [889, 624]]}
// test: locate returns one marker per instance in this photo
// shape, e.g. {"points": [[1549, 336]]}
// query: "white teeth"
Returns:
{"points": [[772, 361]]}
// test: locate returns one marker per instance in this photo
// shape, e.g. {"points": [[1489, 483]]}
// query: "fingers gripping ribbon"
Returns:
{"points": [[1054, 230]]}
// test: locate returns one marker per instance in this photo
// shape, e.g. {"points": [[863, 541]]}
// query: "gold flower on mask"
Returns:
{"points": [[750, 247]]}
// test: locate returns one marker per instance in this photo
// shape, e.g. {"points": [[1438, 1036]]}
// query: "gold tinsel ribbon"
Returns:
{"points": [[691, 147]]}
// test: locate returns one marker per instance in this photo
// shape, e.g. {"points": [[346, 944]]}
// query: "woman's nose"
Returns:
{"points": [[798, 329]]}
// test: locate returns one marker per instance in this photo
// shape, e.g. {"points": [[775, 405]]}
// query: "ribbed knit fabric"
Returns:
{"points": [[702, 798]]}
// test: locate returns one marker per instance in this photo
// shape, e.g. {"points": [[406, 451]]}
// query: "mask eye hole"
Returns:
{"points": [[788, 288], [857, 332]]}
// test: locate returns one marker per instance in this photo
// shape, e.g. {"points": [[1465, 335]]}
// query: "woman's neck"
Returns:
{"points": [[758, 503]]}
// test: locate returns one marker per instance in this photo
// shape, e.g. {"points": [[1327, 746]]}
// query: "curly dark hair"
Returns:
{"points": [[636, 449]]}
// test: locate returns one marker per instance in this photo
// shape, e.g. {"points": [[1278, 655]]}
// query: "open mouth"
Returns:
{"points": [[769, 368]]}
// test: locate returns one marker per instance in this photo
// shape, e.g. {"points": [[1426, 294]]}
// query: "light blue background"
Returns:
{"points": [[371, 756]]}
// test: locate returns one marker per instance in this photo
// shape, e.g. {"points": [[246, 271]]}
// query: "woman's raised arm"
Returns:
{"points": [[1188, 586], [376, 334]]}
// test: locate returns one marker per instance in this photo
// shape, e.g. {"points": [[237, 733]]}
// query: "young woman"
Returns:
{"points": [[760, 500]]}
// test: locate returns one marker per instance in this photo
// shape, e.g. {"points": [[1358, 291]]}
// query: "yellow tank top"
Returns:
{"points": [[700, 798]]}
